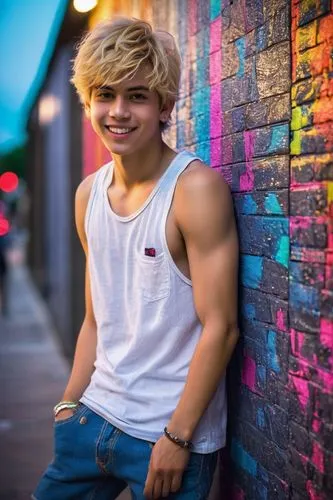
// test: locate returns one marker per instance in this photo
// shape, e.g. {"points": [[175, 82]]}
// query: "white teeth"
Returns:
{"points": [[119, 130]]}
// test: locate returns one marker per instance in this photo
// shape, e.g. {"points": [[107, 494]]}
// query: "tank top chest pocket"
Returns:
{"points": [[154, 277]]}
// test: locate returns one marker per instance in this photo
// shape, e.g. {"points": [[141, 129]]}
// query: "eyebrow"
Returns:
{"points": [[129, 89]]}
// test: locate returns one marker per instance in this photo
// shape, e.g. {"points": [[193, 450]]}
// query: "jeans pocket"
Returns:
{"points": [[78, 412]]}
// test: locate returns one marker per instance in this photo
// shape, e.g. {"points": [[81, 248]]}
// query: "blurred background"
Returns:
{"points": [[256, 103]]}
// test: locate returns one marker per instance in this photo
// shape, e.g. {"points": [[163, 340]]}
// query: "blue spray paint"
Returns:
{"points": [[251, 271], [261, 375], [303, 297], [249, 205], [215, 9], [272, 351], [272, 205], [243, 458], [261, 419], [240, 45], [279, 138], [282, 254], [249, 311]]}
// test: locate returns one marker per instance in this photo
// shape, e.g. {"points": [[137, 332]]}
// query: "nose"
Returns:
{"points": [[119, 108]]}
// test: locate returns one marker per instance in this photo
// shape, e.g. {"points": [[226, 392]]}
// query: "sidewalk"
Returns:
{"points": [[33, 376]]}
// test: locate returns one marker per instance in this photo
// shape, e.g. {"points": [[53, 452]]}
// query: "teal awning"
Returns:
{"points": [[28, 33]]}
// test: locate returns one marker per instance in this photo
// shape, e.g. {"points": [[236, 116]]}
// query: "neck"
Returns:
{"points": [[143, 166]]}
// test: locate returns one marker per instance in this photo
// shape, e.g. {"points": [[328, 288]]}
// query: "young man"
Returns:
{"points": [[145, 404]]}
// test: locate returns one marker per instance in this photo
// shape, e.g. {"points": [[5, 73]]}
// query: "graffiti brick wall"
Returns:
{"points": [[311, 264], [256, 103]]}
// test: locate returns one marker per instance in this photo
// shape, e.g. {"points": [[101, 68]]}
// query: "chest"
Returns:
{"points": [[126, 204]]}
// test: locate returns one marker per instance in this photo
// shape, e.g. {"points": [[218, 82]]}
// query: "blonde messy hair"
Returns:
{"points": [[115, 50]]}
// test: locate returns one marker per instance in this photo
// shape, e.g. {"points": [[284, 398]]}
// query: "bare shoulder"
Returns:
{"points": [[81, 200], [83, 190], [203, 209], [202, 186]]}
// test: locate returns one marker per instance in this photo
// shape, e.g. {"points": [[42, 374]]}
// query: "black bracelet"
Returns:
{"points": [[175, 439]]}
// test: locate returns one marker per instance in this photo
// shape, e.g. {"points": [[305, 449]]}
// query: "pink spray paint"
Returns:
{"points": [[280, 323], [302, 390], [246, 181], [249, 373]]}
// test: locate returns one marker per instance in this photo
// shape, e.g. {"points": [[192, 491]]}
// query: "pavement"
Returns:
{"points": [[33, 375]]}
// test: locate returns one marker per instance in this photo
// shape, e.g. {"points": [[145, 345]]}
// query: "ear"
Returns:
{"points": [[166, 110], [86, 108]]}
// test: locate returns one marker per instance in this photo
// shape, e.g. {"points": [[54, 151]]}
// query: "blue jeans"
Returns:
{"points": [[93, 460]]}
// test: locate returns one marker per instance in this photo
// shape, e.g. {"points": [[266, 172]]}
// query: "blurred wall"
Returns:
{"points": [[56, 167]]}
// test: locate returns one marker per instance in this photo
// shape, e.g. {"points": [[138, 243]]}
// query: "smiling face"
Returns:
{"points": [[127, 116]]}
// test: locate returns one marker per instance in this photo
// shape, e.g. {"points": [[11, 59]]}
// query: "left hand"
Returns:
{"points": [[167, 464]]}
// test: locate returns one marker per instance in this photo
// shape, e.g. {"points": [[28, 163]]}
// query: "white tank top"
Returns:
{"points": [[147, 326]]}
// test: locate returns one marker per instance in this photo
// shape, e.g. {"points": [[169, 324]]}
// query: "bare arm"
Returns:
{"points": [[204, 213], [85, 352]]}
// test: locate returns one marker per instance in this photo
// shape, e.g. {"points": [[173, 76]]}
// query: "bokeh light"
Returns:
{"points": [[4, 226], [8, 182], [84, 5]]}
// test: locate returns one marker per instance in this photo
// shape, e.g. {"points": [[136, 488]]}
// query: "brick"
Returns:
{"points": [[308, 231], [272, 7], [271, 140], [305, 254], [307, 274], [277, 392], [313, 62], [233, 22], [272, 68], [279, 26], [301, 406], [308, 201], [261, 37], [271, 173], [256, 305], [255, 330], [326, 304], [262, 203], [254, 14], [325, 31], [311, 9], [307, 90], [301, 368], [261, 235], [306, 36], [269, 487], [227, 91], [297, 481], [234, 120], [250, 44], [302, 116], [230, 60], [267, 111], [298, 461], [304, 319], [275, 278], [268, 454], [310, 168]]}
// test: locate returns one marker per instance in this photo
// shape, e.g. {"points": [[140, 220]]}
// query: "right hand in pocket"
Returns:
{"points": [[64, 414]]}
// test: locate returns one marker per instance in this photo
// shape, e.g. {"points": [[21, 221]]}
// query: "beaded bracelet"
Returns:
{"points": [[64, 405], [175, 439]]}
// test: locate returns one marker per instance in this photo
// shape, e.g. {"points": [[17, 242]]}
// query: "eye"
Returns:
{"points": [[104, 95], [138, 97]]}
